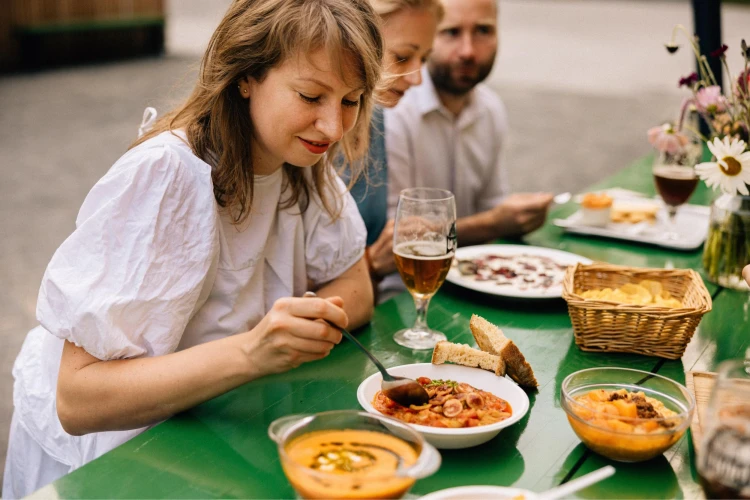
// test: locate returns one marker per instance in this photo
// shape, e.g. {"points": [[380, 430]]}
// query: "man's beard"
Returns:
{"points": [[442, 77]]}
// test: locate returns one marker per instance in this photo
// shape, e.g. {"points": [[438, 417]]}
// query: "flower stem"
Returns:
{"points": [[730, 109]]}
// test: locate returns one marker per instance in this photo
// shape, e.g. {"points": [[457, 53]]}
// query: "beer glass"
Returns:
{"points": [[724, 454], [424, 241], [675, 179]]}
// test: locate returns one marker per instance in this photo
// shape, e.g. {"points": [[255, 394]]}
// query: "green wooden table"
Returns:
{"points": [[221, 449]]}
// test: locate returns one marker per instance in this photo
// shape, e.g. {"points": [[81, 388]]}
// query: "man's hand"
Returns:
{"points": [[746, 274], [381, 253], [521, 213]]}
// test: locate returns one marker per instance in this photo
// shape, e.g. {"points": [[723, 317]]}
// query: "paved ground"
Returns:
{"points": [[582, 80]]}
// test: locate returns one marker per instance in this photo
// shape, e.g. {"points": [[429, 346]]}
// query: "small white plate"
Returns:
{"points": [[491, 287], [691, 225], [481, 379], [481, 493]]}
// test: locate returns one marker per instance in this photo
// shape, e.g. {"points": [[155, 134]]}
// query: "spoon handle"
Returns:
{"points": [[386, 375], [577, 484], [345, 332], [562, 198]]}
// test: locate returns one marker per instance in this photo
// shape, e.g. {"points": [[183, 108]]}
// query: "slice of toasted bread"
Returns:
{"points": [[490, 339], [462, 354]]}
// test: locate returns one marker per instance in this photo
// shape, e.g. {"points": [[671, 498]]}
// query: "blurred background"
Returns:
{"points": [[582, 80]]}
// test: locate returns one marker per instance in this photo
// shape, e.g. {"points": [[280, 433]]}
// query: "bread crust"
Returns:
{"points": [[491, 339], [465, 355]]}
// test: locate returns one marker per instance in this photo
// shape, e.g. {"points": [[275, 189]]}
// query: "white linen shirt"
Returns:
{"points": [[155, 266], [428, 146]]}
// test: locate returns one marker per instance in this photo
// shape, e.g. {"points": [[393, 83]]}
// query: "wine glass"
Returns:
{"points": [[424, 240], [724, 454], [675, 179]]}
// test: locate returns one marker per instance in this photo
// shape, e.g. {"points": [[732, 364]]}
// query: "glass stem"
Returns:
{"points": [[671, 223], [421, 303], [672, 212]]}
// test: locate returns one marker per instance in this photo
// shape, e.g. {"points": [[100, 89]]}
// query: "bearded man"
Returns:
{"points": [[450, 132]]}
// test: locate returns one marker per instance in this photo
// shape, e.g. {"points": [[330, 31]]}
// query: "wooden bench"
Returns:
{"points": [[53, 43]]}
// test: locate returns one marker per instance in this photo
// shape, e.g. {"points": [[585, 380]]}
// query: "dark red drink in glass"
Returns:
{"points": [[675, 184]]}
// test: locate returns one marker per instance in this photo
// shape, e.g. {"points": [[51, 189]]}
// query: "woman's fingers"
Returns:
{"points": [[315, 330], [300, 330], [337, 301], [309, 346], [313, 308]]}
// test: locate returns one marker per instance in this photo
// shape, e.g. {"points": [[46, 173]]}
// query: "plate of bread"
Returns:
{"points": [[632, 217], [471, 399]]}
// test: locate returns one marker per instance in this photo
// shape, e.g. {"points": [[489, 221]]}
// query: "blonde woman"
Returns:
{"points": [[408, 31], [179, 281]]}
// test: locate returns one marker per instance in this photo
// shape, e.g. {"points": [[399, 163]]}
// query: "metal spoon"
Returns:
{"points": [[562, 198], [577, 484], [402, 390]]}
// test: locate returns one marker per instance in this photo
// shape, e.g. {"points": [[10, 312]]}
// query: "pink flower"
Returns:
{"points": [[667, 140], [710, 100]]}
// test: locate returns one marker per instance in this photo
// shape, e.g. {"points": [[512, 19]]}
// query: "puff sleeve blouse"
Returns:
{"points": [[154, 266]]}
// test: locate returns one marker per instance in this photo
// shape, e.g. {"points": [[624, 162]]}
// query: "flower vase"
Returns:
{"points": [[727, 248]]}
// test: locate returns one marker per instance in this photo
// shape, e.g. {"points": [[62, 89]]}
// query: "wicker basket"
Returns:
{"points": [[604, 326]]}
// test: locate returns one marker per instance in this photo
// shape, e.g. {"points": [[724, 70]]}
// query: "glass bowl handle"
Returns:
{"points": [[278, 427], [428, 463]]}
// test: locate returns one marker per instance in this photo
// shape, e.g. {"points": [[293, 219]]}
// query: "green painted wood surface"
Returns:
{"points": [[221, 449]]}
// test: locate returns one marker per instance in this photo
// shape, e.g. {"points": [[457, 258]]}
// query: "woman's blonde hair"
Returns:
{"points": [[384, 8], [253, 37]]}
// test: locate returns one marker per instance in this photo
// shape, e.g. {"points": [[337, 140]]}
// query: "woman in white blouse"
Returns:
{"points": [[184, 276]]}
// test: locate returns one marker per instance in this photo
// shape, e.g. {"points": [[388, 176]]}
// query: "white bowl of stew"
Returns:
{"points": [[469, 430]]}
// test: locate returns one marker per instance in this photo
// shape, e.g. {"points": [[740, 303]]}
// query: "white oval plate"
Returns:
{"points": [[480, 493], [481, 379], [472, 252]]}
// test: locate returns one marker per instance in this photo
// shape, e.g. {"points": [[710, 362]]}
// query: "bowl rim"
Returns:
{"points": [[456, 432], [305, 418], [685, 416], [479, 489]]}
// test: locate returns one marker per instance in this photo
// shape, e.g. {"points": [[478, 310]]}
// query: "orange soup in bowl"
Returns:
{"points": [[348, 464], [624, 425]]}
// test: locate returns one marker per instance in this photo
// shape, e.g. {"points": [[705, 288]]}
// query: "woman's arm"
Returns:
{"points": [[95, 395], [355, 288]]}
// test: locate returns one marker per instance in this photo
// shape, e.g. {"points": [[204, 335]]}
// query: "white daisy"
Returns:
{"points": [[731, 170]]}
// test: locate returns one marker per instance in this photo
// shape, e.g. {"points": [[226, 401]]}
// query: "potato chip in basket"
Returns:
{"points": [[647, 292]]}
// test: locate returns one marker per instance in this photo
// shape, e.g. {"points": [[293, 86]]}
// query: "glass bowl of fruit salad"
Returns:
{"points": [[624, 414]]}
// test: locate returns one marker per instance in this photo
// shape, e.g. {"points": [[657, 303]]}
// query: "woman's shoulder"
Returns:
{"points": [[160, 169], [170, 147]]}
